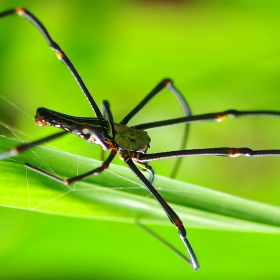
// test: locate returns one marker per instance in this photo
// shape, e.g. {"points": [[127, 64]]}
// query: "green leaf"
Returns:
{"points": [[116, 194]]}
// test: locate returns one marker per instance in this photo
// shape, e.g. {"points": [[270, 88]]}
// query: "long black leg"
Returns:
{"points": [[224, 152], [163, 84], [166, 83], [173, 217], [107, 114], [216, 117], [69, 181], [16, 150], [106, 111], [187, 113], [58, 51], [148, 168]]}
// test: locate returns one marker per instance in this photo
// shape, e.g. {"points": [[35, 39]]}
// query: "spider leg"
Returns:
{"points": [[58, 51], [106, 111], [173, 217], [148, 168], [166, 83], [224, 152], [69, 181], [216, 117], [187, 112], [163, 84], [16, 150], [107, 114]]}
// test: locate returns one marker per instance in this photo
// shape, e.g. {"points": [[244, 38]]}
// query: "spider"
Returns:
{"points": [[130, 143]]}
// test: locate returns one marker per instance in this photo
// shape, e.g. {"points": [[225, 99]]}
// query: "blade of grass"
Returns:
{"points": [[117, 195]]}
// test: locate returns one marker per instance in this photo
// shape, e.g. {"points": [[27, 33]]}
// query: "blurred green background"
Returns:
{"points": [[220, 54]]}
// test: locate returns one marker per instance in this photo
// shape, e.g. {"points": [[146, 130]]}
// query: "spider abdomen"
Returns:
{"points": [[87, 128], [131, 139]]}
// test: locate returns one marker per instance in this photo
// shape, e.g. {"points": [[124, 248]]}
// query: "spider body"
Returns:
{"points": [[92, 130], [131, 139], [96, 131]]}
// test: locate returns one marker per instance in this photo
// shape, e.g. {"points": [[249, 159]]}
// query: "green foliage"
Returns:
{"points": [[221, 55], [117, 195]]}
